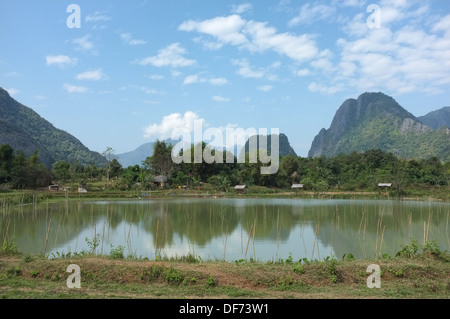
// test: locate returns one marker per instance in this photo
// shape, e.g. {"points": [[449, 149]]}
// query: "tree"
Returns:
{"points": [[161, 161], [6, 163], [109, 155], [61, 170], [289, 165], [219, 182]]}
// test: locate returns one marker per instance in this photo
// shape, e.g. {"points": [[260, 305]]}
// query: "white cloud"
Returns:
{"points": [[13, 91], [83, 43], [323, 64], [316, 87], [97, 16], [218, 81], [146, 90], [74, 89], [60, 60], [303, 72], [195, 78], [397, 60], [443, 24], [254, 36], [95, 75], [312, 13], [246, 70], [218, 98], [173, 126], [191, 79], [265, 88], [171, 56], [225, 29], [241, 8], [176, 73], [299, 48], [156, 77], [128, 39], [13, 74]]}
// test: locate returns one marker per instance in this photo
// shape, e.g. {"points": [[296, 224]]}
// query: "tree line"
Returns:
{"points": [[356, 171]]}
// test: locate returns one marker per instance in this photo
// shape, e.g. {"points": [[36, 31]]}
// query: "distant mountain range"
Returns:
{"points": [[372, 121], [285, 147], [25, 130], [437, 119], [377, 121], [137, 156]]}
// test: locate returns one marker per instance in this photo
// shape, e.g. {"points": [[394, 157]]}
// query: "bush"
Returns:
{"points": [[432, 247], [409, 251], [117, 253]]}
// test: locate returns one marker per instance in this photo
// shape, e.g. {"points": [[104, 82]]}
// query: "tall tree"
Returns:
{"points": [[109, 155], [161, 161], [6, 163]]}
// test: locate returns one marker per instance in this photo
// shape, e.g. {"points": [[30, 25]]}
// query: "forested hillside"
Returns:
{"points": [[24, 130]]}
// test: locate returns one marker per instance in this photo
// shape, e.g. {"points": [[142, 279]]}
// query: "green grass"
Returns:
{"points": [[421, 272]]}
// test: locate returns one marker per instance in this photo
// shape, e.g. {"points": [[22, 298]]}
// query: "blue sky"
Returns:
{"points": [[136, 70]]}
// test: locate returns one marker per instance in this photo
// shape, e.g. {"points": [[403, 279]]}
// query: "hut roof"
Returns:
{"points": [[384, 184]]}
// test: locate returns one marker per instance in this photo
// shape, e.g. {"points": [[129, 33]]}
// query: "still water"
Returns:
{"points": [[230, 229]]}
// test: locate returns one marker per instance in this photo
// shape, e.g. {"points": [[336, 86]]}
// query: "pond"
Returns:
{"points": [[227, 229]]}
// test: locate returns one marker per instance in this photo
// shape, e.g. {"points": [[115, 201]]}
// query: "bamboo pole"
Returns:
{"points": [[46, 236], [225, 246]]}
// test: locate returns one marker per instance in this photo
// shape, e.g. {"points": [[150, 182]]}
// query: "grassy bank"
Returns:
{"points": [[420, 192], [412, 275]]}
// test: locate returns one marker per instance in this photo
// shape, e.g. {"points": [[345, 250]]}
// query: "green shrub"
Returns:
{"points": [[298, 269], [432, 247], [117, 253], [172, 275]]}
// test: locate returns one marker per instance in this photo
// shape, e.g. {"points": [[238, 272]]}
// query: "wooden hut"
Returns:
{"points": [[240, 188]]}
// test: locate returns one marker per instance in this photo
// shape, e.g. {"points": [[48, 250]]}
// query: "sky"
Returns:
{"points": [[118, 73]]}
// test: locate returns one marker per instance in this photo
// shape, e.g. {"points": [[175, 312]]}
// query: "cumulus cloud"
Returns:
{"points": [[403, 60], [227, 30], [13, 91], [191, 128], [254, 36], [408, 53], [241, 8], [196, 78], [60, 60], [218, 81], [173, 126], [74, 89], [83, 43], [97, 17], [247, 71], [171, 56], [310, 13], [191, 79], [265, 88], [127, 38], [95, 75], [218, 98]]}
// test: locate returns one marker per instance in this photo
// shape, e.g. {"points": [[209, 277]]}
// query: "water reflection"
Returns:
{"points": [[232, 229]]}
